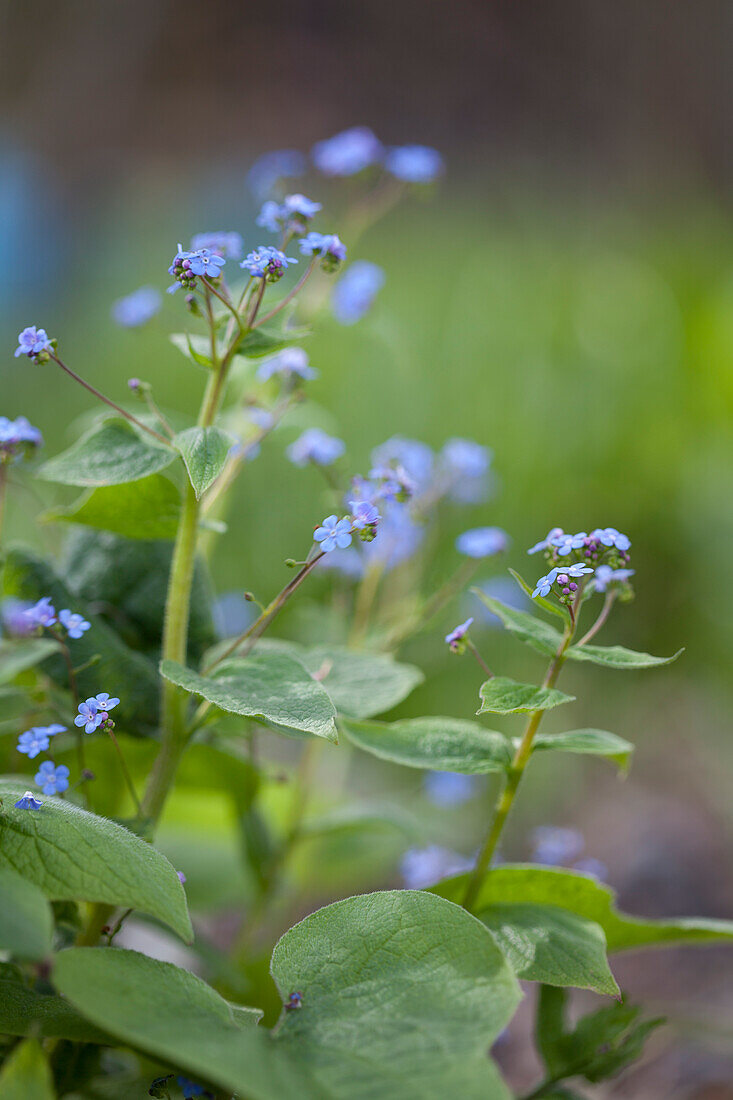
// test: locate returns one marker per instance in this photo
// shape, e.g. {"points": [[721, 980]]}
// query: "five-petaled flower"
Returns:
{"points": [[37, 739], [328, 246], [28, 801], [94, 711], [609, 536], [333, 533], [33, 342], [42, 613], [52, 779], [75, 623], [204, 262], [363, 514], [544, 584], [456, 637]]}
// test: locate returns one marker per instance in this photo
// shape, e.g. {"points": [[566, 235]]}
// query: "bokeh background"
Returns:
{"points": [[564, 296]]}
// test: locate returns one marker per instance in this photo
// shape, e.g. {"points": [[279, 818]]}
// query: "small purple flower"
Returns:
{"points": [[266, 262], [363, 515], [315, 446], [288, 363], [42, 613], [609, 536], [355, 291], [180, 268], [37, 739], [544, 584], [422, 867], [449, 788], [33, 342], [52, 779], [414, 163], [138, 308], [18, 438], [14, 619], [75, 624], [347, 153], [28, 801], [333, 533], [456, 636], [550, 540], [292, 214], [94, 711], [605, 575], [227, 245], [482, 542], [328, 246], [181, 877]]}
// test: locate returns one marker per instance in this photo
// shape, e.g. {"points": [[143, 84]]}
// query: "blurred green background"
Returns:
{"points": [[564, 296]]}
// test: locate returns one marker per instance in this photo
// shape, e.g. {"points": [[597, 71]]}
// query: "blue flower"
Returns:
{"points": [[274, 166], [189, 1088], [363, 514], [544, 584], [137, 308], [355, 291], [94, 711], [456, 636], [328, 246], [315, 446], [292, 214], [288, 363], [482, 542], [52, 779], [266, 262], [609, 536], [333, 533], [422, 867], [204, 262], [37, 739], [28, 801], [32, 342], [348, 152], [549, 540], [399, 538], [42, 613], [227, 245], [75, 624], [414, 163], [180, 268], [554, 845], [577, 570], [590, 866], [565, 544], [17, 438], [605, 575], [349, 563], [449, 788], [464, 458], [412, 456], [14, 619]]}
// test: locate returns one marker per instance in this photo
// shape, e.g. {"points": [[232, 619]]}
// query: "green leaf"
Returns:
{"points": [[528, 885], [266, 339], [205, 451], [26, 924], [547, 605], [501, 695], [146, 509], [26, 1074], [441, 744], [544, 943], [110, 454], [18, 655], [535, 632], [360, 684], [400, 998], [616, 656], [23, 1011], [269, 686], [71, 854], [196, 348], [587, 741]]}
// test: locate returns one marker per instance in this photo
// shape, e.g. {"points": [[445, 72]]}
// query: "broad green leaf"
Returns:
{"points": [[360, 684], [23, 653], [205, 451], [590, 741], [110, 454], [616, 656], [266, 339], [523, 884], [196, 348], [535, 632], [269, 686], [547, 605], [26, 1074], [501, 695], [26, 924], [71, 854], [401, 997], [544, 943], [117, 669], [176, 1017], [441, 744], [23, 1011], [146, 509]]}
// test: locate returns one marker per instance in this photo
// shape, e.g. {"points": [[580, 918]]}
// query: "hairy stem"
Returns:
{"points": [[605, 612], [108, 401]]}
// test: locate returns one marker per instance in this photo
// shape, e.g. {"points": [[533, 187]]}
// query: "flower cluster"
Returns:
{"points": [[188, 265], [18, 439], [43, 616], [328, 246], [52, 779], [352, 151], [291, 216], [94, 712], [336, 534], [37, 739], [267, 262], [35, 343], [602, 552]]}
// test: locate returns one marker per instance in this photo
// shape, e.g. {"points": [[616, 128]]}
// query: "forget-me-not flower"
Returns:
{"points": [[333, 533], [609, 536], [137, 308], [328, 246], [363, 514], [288, 363], [33, 341], [42, 613], [414, 163], [204, 262], [456, 636], [315, 446], [355, 291], [52, 779], [228, 245], [266, 262], [293, 214], [605, 575], [544, 584], [347, 152], [37, 739], [28, 801], [414, 457], [75, 624], [565, 544], [482, 542], [94, 711], [550, 540], [18, 438]]}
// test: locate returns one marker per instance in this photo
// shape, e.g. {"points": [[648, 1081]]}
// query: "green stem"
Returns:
{"points": [[125, 772], [108, 401], [365, 597], [3, 491]]}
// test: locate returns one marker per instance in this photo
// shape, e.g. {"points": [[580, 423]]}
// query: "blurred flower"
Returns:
{"points": [[464, 465], [328, 246], [137, 308], [94, 711], [37, 739], [42, 613], [348, 562], [32, 342], [605, 575], [287, 363], [399, 538], [333, 533], [609, 536], [52, 779], [482, 542], [272, 167], [347, 152], [315, 446], [591, 866], [225, 244], [422, 867], [555, 845], [292, 214], [28, 802], [544, 584], [13, 617], [548, 541], [232, 614], [17, 438], [189, 1088], [267, 262], [363, 514], [414, 163], [449, 788], [355, 291], [181, 877], [75, 624], [414, 457]]}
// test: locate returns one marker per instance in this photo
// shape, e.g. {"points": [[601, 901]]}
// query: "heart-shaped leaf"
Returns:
{"points": [[146, 509], [205, 451], [441, 744], [501, 695], [110, 454]]}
